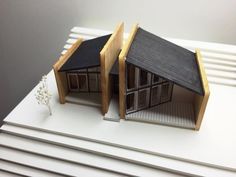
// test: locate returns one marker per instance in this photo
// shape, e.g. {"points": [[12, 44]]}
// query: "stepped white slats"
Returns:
{"points": [[219, 56], [51, 164], [63, 52], [115, 152], [214, 54], [220, 67], [76, 36], [220, 62], [9, 174], [57, 152], [92, 32], [21, 170], [79, 157], [220, 77], [106, 150], [205, 46], [71, 41], [67, 46]]}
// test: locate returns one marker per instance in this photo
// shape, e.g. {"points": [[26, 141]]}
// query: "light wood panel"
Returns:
{"points": [[200, 102], [108, 56], [122, 79], [61, 79]]}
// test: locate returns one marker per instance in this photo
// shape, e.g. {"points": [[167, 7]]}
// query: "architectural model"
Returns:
{"points": [[147, 79]]}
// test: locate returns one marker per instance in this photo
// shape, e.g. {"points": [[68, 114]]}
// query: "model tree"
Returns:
{"points": [[43, 96]]}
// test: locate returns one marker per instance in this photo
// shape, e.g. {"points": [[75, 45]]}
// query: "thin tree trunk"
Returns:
{"points": [[49, 109]]}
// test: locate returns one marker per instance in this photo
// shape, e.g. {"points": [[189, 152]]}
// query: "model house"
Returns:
{"points": [[82, 74], [164, 83], [148, 79]]}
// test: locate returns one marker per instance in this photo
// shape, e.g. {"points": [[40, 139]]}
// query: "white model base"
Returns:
{"points": [[76, 140]]}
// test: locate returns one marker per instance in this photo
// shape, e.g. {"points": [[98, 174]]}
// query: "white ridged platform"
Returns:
{"points": [[76, 141]]}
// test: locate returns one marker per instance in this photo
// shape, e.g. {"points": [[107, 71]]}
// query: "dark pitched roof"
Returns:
{"points": [[165, 59], [87, 54]]}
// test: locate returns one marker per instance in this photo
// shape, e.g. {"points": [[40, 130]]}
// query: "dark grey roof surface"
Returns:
{"points": [[87, 54], [165, 59]]}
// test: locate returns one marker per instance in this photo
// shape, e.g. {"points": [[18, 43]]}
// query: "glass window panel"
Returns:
{"points": [[156, 95], [166, 92], [130, 102], [144, 78], [156, 79], [143, 98], [83, 83], [73, 83], [130, 76], [93, 82]]}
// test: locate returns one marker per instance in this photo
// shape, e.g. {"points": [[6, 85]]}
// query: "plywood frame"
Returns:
{"points": [[108, 56], [200, 102], [122, 58], [61, 79]]}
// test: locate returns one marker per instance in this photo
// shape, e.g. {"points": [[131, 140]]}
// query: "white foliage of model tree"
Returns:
{"points": [[43, 96]]}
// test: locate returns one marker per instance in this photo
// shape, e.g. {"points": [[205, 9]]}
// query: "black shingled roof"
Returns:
{"points": [[87, 54], [166, 60]]}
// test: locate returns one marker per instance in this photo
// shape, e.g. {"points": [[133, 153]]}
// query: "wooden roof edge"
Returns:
{"points": [[202, 72], [61, 61], [128, 42], [119, 27]]}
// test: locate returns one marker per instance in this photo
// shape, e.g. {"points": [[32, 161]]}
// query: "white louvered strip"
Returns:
{"points": [[205, 46], [5, 173], [79, 31], [221, 81], [24, 170], [67, 46], [73, 35], [63, 52], [220, 74], [220, 62], [94, 32], [50, 164], [219, 56], [103, 149], [219, 67], [85, 37], [71, 41]]}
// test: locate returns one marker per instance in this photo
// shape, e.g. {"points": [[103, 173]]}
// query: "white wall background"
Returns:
{"points": [[33, 32], [203, 20]]}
